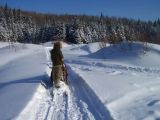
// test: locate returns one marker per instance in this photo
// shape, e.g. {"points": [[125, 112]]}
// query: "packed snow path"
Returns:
{"points": [[80, 103]]}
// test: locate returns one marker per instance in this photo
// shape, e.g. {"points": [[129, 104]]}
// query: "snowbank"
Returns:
{"points": [[3, 44], [21, 71], [134, 54], [126, 79]]}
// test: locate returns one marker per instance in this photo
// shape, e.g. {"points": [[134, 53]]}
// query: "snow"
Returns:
{"points": [[20, 74], [126, 81], [3, 44], [116, 82]]}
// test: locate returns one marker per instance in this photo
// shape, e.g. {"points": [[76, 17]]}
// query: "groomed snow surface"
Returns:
{"points": [[118, 82]]}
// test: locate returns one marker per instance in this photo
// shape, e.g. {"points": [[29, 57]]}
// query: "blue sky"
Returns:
{"points": [[137, 9]]}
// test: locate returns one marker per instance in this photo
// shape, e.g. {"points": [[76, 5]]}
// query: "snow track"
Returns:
{"points": [[79, 104]]}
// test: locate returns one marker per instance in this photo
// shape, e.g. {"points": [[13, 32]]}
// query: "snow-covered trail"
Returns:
{"points": [[80, 103]]}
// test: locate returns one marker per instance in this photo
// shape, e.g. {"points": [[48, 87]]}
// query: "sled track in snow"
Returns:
{"points": [[60, 107], [80, 103]]}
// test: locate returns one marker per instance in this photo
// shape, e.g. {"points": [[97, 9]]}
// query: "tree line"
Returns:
{"points": [[30, 27]]}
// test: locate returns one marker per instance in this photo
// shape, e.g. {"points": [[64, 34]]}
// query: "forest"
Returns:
{"points": [[30, 27]]}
